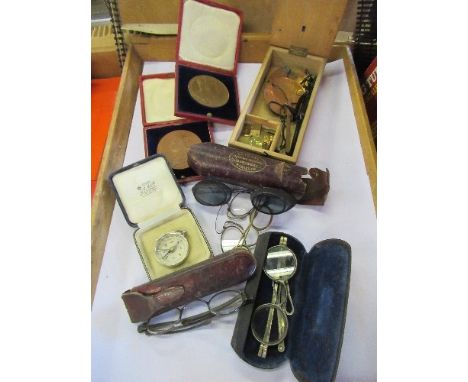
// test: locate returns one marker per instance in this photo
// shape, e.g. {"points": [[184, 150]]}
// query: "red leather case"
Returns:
{"points": [[154, 131], [186, 69]]}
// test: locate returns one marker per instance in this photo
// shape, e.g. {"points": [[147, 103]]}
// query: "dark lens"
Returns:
{"points": [[211, 193], [272, 201]]}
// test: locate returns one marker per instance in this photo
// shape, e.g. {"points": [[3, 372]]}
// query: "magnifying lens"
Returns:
{"points": [[280, 266], [278, 322]]}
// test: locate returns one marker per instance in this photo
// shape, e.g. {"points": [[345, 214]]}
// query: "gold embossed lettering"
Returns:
{"points": [[247, 162]]}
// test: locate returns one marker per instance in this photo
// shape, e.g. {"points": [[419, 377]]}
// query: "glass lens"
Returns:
{"points": [[240, 205], [251, 238], [194, 309], [272, 201], [269, 324], [211, 193], [225, 302], [230, 237], [281, 263], [260, 221], [163, 322]]}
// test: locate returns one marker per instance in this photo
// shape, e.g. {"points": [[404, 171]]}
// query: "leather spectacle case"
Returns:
{"points": [[179, 288], [244, 168]]}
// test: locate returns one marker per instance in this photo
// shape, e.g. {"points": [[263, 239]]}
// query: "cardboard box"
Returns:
{"points": [[153, 202], [162, 127], [208, 44], [302, 36]]}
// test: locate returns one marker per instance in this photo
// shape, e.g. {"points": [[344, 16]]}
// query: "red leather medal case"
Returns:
{"points": [[208, 43], [162, 128]]}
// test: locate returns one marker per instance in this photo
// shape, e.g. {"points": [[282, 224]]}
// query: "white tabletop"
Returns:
{"points": [[119, 353]]}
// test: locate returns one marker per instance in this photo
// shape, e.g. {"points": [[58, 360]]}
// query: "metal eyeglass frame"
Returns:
{"points": [[231, 191], [244, 232], [195, 321]]}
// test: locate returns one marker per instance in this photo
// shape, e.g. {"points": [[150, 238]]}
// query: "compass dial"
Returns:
{"points": [[172, 248]]}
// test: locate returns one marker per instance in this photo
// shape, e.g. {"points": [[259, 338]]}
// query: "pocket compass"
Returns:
{"points": [[172, 248]]}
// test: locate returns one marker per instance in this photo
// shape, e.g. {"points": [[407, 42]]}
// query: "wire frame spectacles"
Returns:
{"points": [[271, 201], [196, 314]]}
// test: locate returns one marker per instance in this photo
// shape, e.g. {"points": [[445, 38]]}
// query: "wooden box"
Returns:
{"points": [[162, 127], [302, 36]]}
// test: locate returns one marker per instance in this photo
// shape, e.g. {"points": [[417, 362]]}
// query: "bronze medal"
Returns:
{"points": [[208, 91], [175, 145]]}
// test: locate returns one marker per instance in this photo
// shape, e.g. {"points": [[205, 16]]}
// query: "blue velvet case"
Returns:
{"points": [[153, 136], [319, 289], [187, 107]]}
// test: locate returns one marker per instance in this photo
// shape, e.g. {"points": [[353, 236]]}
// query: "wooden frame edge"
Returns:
{"points": [[112, 159], [163, 48], [368, 148]]}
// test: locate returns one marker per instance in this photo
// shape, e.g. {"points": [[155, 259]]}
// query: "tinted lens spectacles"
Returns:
{"points": [[269, 201]]}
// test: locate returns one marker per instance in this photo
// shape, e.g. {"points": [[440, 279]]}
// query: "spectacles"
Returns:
{"points": [[271, 201], [283, 103], [234, 234], [198, 313], [308, 83]]}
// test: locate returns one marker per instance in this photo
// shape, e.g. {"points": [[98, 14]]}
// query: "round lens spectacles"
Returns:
{"points": [[271, 201]]}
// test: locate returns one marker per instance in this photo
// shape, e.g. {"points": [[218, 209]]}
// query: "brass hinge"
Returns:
{"points": [[344, 38], [297, 51]]}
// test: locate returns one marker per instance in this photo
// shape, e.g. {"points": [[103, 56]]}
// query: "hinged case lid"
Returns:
{"points": [[146, 189], [309, 24], [209, 36], [161, 126], [157, 94]]}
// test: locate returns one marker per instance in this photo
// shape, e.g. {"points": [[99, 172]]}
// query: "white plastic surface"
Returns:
{"points": [[119, 353]]}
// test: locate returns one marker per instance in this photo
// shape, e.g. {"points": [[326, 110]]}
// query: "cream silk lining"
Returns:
{"points": [[148, 191], [159, 99], [209, 35], [183, 220], [152, 199]]}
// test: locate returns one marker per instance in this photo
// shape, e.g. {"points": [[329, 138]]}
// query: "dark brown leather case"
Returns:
{"points": [[239, 166]]}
